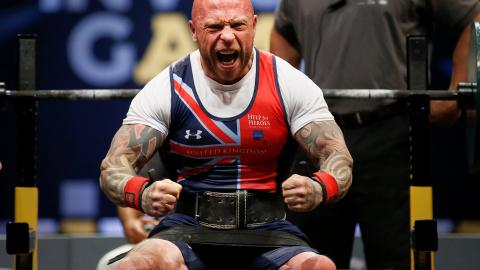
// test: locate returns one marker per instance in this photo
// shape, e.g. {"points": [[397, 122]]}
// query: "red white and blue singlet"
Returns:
{"points": [[240, 152]]}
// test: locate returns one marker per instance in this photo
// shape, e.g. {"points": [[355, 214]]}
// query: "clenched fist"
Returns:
{"points": [[301, 193], [158, 200]]}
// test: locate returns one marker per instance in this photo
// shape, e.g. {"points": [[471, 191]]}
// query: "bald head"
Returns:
{"points": [[200, 7]]}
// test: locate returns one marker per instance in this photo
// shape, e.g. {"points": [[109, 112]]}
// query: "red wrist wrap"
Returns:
{"points": [[329, 185], [132, 193]]}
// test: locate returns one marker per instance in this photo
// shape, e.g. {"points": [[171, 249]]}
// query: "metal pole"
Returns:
{"points": [[26, 194], [421, 210]]}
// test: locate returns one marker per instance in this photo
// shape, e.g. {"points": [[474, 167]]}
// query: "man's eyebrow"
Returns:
{"points": [[233, 21], [211, 22], [239, 20]]}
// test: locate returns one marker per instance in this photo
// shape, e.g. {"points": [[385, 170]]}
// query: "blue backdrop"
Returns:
{"points": [[121, 44]]}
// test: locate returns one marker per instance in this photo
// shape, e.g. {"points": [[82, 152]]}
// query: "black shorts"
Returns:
{"points": [[202, 256]]}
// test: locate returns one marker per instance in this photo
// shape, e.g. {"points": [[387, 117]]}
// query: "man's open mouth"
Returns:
{"points": [[227, 57]]}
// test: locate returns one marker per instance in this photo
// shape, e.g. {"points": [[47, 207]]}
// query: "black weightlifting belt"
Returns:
{"points": [[231, 210]]}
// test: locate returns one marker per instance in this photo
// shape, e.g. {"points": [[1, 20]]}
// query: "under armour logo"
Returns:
{"points": [[197, 135]]}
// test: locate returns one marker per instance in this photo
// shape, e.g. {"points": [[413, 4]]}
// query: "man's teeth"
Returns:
{"points": [[228, 63], [227, 52], [227, 57]]}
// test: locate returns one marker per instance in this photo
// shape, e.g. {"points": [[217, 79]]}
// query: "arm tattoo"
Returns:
{"points": [[312, 192], [324, 144], [131, 148]]}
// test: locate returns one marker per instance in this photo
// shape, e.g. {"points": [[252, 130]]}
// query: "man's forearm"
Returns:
{"points": [[126, 214], [444, 113], [325, 146], [132, 146]]}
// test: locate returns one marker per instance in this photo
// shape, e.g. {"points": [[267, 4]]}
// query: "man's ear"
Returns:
{"points": [[254, 25], [192, 31]]}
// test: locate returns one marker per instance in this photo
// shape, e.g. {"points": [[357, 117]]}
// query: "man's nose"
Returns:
{"points": [[228, 34]]}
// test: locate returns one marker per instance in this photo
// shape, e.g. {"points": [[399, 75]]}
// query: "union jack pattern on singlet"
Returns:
{"points": [[212, 153]]}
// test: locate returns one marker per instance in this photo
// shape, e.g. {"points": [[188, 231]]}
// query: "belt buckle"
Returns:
{"points": [[213, 197]]}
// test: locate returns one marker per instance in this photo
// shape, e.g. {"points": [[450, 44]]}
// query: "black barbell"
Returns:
{"points": [[466, 95]]}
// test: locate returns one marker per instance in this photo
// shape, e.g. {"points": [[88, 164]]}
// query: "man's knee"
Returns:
{"points": [[317, 262], [126, 264], [137, 261], [153, 254], [309, 261]]}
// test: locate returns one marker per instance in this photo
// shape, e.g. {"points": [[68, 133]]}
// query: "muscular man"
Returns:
{"points": [[227, 113]]}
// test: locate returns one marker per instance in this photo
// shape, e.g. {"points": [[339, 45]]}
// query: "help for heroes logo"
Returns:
{"points": [[258, 120]]}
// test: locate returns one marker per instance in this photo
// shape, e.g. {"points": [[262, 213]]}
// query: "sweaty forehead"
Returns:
{"points": [[221, 10]]}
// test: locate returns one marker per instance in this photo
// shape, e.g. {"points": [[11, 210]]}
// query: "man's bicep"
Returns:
{"points": [[135, 145], [132, 146]]}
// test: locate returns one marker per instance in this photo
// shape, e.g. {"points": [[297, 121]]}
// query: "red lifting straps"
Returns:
{"points": [[132, 193], [329, 186]]}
